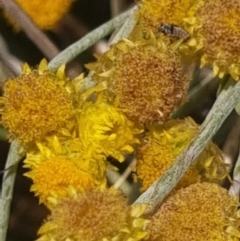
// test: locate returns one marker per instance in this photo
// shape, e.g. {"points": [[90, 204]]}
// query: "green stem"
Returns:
{"points": [[223, 106], [7, 188], [75, 49]]}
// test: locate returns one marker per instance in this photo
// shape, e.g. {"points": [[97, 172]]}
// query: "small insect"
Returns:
{"points": [[174, 31]]}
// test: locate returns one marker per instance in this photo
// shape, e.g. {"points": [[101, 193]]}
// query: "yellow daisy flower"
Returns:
{"points": [[164, 143], [200, 212], [145, 79], [36, 104], [71, 149], [104, 129], [94, 215], [56, 174], [220, 36], [45, 14]]}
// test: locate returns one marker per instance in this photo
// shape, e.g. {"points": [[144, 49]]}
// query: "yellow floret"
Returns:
{"points": [[105, 129]]}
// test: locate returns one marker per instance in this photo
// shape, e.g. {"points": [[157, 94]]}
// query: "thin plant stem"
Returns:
{"points": [[125, 187], [234, 189], [122, 179], [223, 106], [91, 38], [31, 30], [126, 28], [8, 59], [116, 7], [7, 188], [232, 143]]}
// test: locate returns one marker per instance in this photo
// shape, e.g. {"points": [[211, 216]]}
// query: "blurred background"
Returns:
{"points": [[85, 15]]}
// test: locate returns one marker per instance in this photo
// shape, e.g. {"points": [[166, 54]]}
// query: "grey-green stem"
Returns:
{"points": [[7, 188], [91, 38]]}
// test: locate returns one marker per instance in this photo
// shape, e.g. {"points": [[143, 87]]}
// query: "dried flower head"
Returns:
{"points": [[36, 104], [164, 143], [145, 79], [94, 215], [202, 211]]}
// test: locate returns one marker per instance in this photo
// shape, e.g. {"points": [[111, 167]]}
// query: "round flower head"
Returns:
{"points": [[200, 212], [45, 14], [145, 79], [94, 216], [55, 175], [162, 144], [104, 128], [58, 166], [36, 104], [220, 36]]}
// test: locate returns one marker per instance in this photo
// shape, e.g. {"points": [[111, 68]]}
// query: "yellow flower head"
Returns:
{"points": [[145, 79], [36, 104], [105, 129], [73, 151], [164, 143], [160, 148], [55, 175], [220, 36], [200, 212], [94, 215], [45, 14]]}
